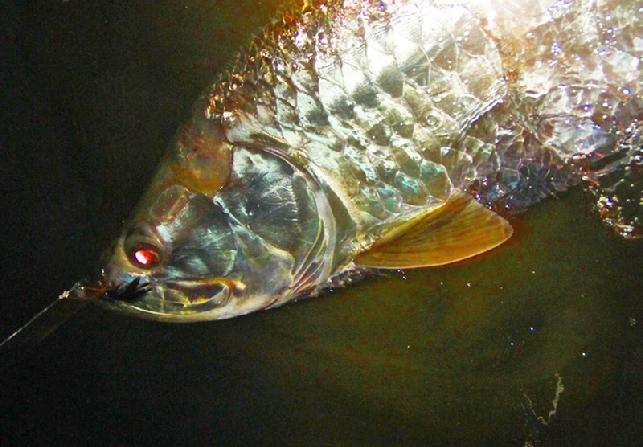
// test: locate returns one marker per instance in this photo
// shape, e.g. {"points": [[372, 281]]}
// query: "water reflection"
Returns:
{"points": [[538, 344], [492, 349]]}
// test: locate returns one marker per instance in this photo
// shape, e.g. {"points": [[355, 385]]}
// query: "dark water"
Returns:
{"points": [[470, 354]]}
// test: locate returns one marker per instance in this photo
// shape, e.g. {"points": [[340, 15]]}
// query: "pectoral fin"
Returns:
{"points": [[457, 230]]}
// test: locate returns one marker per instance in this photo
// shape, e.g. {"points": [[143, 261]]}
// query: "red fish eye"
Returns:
{"points": [[145, 256]]}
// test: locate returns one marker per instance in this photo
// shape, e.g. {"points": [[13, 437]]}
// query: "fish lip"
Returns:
{"points": [[218, 299]]}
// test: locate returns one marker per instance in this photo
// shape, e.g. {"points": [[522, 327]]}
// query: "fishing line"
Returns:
{"points": [[32, 320], [38, 327]]}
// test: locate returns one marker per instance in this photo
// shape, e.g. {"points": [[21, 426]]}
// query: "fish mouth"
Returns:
{"points": [[199, 293], [161, 298]]}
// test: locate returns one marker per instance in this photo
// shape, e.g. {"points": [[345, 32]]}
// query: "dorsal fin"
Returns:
{"points": [[456, 230]]}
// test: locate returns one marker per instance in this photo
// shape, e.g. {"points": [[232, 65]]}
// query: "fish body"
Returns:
{"points": [[389, 134]]}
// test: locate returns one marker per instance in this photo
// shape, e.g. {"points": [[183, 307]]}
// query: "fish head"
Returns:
{"points": [[259, 240]]}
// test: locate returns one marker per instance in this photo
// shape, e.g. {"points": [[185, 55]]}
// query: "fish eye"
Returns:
{"points": [[145, 256]]}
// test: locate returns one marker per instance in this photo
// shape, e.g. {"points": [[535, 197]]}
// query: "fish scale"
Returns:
{"points": [[353, 135], [385, 100], [380, 126], [343, 138]]}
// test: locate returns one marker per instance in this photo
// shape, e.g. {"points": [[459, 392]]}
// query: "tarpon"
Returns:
{"points": [[383, 134]]}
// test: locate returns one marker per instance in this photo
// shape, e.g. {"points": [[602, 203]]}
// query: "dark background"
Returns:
{"points": [[92, 92]]}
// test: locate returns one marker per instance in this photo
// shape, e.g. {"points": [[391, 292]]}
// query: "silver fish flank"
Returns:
{"points": [[384, 134]]}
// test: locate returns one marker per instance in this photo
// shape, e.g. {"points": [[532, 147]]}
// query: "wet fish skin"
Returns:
{"points": [[405, 97], [346, 120]]}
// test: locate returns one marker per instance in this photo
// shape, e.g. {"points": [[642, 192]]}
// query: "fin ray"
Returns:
{"points": [[457, 230]]}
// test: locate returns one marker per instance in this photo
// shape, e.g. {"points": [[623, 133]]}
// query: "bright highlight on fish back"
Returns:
{"points": [[384, 134]]}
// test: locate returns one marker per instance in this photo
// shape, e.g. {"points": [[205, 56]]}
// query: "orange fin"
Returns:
{"points": [[457, 230]]}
